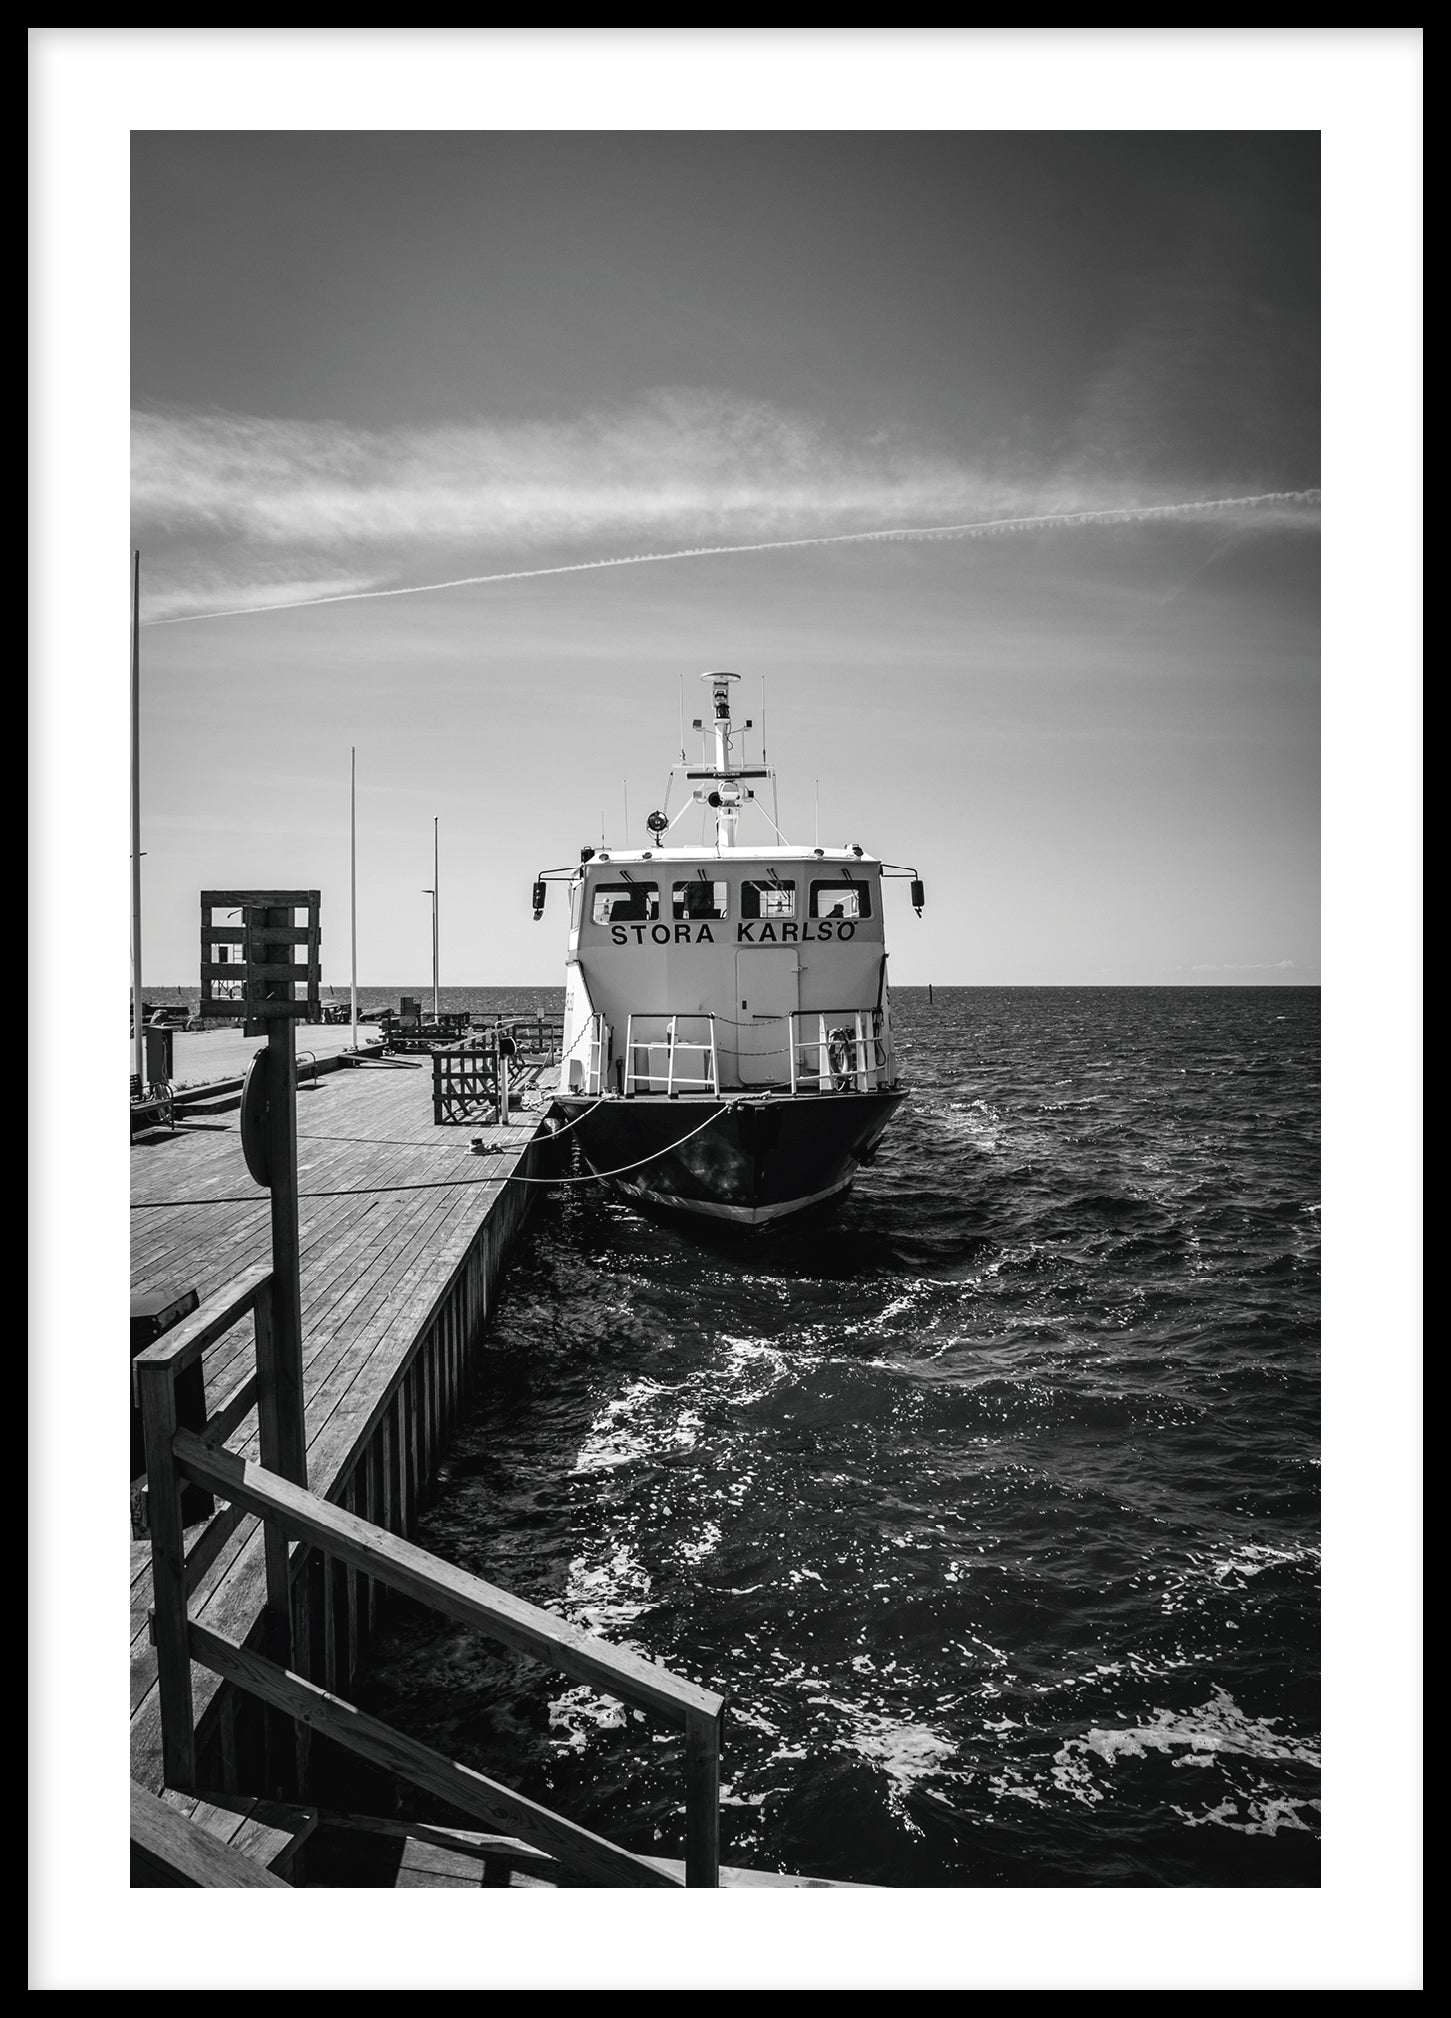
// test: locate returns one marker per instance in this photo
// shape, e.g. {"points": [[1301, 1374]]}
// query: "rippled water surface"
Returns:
{"points": [[990, 1495]]}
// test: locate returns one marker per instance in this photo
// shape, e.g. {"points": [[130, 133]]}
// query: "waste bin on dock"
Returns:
{"points": [[160, 1043]]}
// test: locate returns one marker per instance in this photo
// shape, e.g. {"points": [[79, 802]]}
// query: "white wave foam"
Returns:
{"points": [[619, 1433], [904, 1752], [578, 1712], [1261, 1815], [751, 1368], [606, 1592], [702, 1545], [1217, 1728], [1229, 1568], [729, 1798]]}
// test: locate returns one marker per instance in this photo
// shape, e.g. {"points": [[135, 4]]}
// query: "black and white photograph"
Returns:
{"points": [[720, 739]]}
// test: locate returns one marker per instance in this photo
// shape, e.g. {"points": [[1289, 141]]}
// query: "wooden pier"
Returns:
{"points": [[259, 1575], [404, 1230], [280, 1491]]}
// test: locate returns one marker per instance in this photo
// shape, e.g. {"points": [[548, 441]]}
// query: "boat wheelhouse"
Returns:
{"points": [[727, 1045]]}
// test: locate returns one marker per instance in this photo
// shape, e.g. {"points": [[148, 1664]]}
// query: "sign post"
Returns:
{"points": [[255, 962]]}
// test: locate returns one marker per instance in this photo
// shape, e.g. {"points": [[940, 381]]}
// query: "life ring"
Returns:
{"points": [[253, 1120], [838, 1058]]}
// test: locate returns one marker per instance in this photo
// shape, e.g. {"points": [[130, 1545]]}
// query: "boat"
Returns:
{"points": [[727, 1046]]}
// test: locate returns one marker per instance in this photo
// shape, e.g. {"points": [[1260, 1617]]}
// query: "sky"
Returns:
{"points": [[371, 362]]}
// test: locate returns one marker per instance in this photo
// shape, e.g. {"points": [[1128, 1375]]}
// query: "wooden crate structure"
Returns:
{"points": [[256, 953], [465, 1084]]}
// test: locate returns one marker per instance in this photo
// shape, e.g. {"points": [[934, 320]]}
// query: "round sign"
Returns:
{"points": [[254, 1121]]}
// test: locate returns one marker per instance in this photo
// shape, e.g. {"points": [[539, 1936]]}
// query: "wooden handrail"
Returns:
{"points": [[188, 1340], [473, 1793], [168, 1384], [405, 1567], [185, 1451]]}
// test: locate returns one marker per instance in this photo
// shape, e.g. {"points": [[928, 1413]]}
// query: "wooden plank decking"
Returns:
{"points": [[172, 1848], [366, 1851], [177, 1839], [202, 1056], [402, 1232]]}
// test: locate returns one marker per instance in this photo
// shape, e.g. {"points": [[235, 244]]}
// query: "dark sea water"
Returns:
{"points": [[990, 1494]]}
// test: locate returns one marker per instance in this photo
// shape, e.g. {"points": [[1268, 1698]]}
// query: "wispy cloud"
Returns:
{"points": [[704, 462], [1236, 967], [1267, 506], [238, 510], [169, 600]]}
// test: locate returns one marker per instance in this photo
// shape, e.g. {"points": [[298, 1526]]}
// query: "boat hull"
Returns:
{"points": [[746, 1161]]}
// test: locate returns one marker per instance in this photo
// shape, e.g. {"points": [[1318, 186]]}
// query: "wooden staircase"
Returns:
{"points": [[182, 1840]]}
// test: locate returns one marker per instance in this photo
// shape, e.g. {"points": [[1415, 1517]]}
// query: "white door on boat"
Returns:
{"points": [[768, 991]]}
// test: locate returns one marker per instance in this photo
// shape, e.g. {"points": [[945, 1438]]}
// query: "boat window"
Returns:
{"points": [[768, 900], [698, 899], [615, 903], [841, 900]]}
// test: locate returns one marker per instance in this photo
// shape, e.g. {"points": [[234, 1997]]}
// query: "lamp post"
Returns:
{"points": [[434, 894]]}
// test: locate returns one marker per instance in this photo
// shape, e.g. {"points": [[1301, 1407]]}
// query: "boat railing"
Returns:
{"points": [[647, 1036], [839, 1051], [597, 1055]]}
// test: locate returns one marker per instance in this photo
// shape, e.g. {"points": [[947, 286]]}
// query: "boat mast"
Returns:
{"points": [[719, 787], [726, 800]]}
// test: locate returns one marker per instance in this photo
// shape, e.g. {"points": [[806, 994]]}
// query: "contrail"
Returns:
{"points": [[973, 529]]}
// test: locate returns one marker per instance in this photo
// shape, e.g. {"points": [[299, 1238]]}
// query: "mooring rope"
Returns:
{"points": [[444, 1183], [555, 1134], [598, 1176]]}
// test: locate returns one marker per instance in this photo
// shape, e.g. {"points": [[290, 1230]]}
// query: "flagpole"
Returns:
{"points": [[137, 1040], [353, 870]]}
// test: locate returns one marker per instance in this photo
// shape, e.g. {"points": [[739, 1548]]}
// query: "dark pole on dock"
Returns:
{"points": [[137, 1039], [285, 1434], [435, 917], [282, 1433]]}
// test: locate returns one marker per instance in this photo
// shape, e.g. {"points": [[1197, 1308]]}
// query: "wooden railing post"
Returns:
{"points": [[157, 1396], [282, 1434], [270, 1435], [702, 1800], [277, 1634]]}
